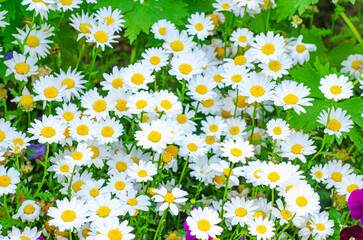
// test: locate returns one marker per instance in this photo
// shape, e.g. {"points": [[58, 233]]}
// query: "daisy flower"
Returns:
{"points": [[28, 211], [235, 128], [73, 81], [297, 145], [273, 175], [213, 126], [78, 182], [281, 212], [237, 151], [257, 88], [137, 76], [224, 5], [187, 65], [210, 106], [252, 172], [114, 80], [302, 200], [142, 172], [267, 47], [214, 73], [100, 152], [250, 5], [203, 223], [241, 37], [167, 102], [184, 120], [49, 130], [19, 142], [113, 19], [25, 101], [299, 51], [49, 89], [278, 129], [119, 184], [27, 233], [120, 101], [239, 210], [82, 129], [131, 203], [22, 66], [200, 88], [104, 208], [80, 156], [318, 173], [277, 68], [261, 228], [323, 227], [222, 169], [338, 123], [35, 42], [9, 177], [68, 112], [66, 5], [337, 88], [102, 35], [2, 16], [169, 199], [82, 23], [336, 172], [162, 28], [97, 106], [290, 94], [353, 65], [68, 215], [62, 169], [119, 163], [155, 58], [108, 130], [348, 184], [234, 76], [192, 146], [296, 21], [91, 189], [177, 43], [199, 25], [113, 229]]}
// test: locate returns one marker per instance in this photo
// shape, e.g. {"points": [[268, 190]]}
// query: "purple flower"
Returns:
{"points": [[353, 232], [8, 55], [40, 238], [38, 149]]}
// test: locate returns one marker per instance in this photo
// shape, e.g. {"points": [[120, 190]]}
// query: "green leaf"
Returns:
{"points": [[355, 136], [257, 24], [123, 5], [200, 6], [302, 5], [285, 9], [341, 52], [354, 109], [314, 35]]}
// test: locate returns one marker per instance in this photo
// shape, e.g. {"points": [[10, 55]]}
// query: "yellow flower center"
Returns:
{"points": [[241, 101], [177, 46], [114, 234], [22, 68], [29, 209], [300, 48], [51, 92], [162, 31], [236, 152], [109, 20], [320, 226], [356, 63], [66, 2], [166, 157], [185, 68], [132, 202], [101, 36], [277, 130], [208, 103], [85, 233], [259, 214], [286, 214], [273, 176], [242, 39], [274, 66], [201, 89], [68, 116], [236, 78], [261, 229], [154, 136], [290, 99], [228, 172], [240, 60], [77, 186], [121, 166], [120, 185], [334, 125], [48, 132], [32, 41], [268, 49], [220, 179], [213, 128], [24, 238], [117, 83], [82, 129], [84, 28], [220, 52], [142, 173], [173, 150], [337, 177], [192, 147], [204, 225], [256, 173], [336, 90], [240, 212], [68, 215], [318, 174], [301, 201], [103, 211], [226, 6], [210, 140], [182, 119], [99, 105], [218, 78], [95, 151], [26, 101], [166, 104], [64, 168], [169, 197], [121, 105], [18, 141], [296, 149], [234, 130], [77, 155], [352, 187], [137, 79], [199, 27], [154, 60], [257, 91], [94, 192], [107, 131]]}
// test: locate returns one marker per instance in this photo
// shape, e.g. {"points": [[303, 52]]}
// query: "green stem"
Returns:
{"points": [[253, 121], [80, 53], [224, 199], [286, 227], [352, 28], [6, 205], [6, 111], [29, 119], [94, 56], [160, 224], [45, 173], [69, 191], [17, 163], [70, 234], [267, 21], [273, 196], [198, 190], [347, 218], [236, 103], [183, 172]]}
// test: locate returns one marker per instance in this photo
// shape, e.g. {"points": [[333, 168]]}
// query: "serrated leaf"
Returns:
{"points": [[341, 52], [354, 109], [314, 36], [285, 9], [123, 5], [355, 136], [302, 5], [200, 6]]}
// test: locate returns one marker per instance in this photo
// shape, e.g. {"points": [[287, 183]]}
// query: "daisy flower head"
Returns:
{"points": [[337, 88], [235, 128], [296, 21], [28, 211], [214, 126], [214, 73], [237, 150], [184, 120], [82, 129], [192, 146], [100, 152], [96, 105], [66, 5], [318, 173], [241, 37], [273, 175], [104, 208], [77, 184], [91, 189], [323, 227], [290, 94], [68, 215], [234, 76], [177, 43], [48, 88], [199, 25], [203, 223], [131, 203], [73, 81], [168, 103], [80, 156], [251, 5], [25, 101], [119, 184], [224, 5], [162, 28], [262, 228], [200, 88], [302, 200], [155, 58], [338, 123], [222, 171], [47, 28], [49, 130], [239, 211], [137, 76], [113, 229], [281, 212], [108, 130], [187, 65], [35, 42], [102, 35], [267, 47], [142, 172], [62, 169], [257, 88], [82, 23], [297, 145], [353, 65], [119, 163], [348, 184], [27, 233], [68, 112], [9, 177], [277, 68], [112, 19], [336, 172], [22, 66], [299, 51], [169, 199], [210, 106], [19, 142], [114, 80], [278, 129]]}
